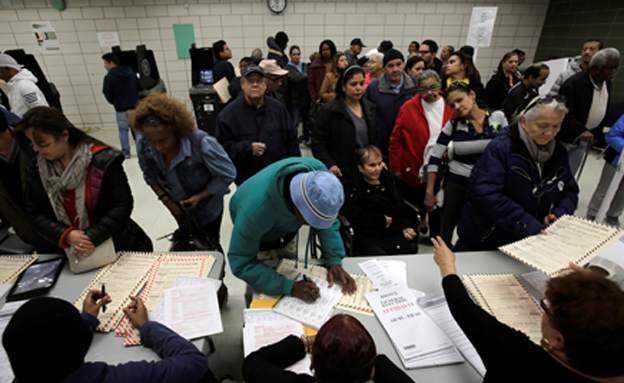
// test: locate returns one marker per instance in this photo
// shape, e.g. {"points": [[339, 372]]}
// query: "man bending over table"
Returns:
{"points": [[47, 340], [267, 211]]}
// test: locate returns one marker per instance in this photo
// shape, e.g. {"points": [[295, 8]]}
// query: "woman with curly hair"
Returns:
{"points": [[186, 167]]}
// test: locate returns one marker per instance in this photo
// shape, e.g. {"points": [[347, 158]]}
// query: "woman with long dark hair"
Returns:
{"points": [[78, 194], [471, 131], [345, 124], [319, 67], [504, 78], [461, 68], [328, 89]]}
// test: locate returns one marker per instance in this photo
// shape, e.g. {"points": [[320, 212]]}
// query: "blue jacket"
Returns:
{"points": [[507, 198], [240, 124], [182, 361], [615, 139], [261, 213], [200, 164], [121, 88], [388, 103]]}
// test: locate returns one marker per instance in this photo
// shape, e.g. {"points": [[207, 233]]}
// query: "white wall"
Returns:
{"points": [[245, 24]]}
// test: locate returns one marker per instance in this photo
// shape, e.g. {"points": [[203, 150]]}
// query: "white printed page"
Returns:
{"points": [[436, 307], [410, 329], [313, 314], [385, 274], [193, 311], [264, 327]]}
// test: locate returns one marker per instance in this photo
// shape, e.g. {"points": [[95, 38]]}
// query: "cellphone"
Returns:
{"points": [[37, 279]]}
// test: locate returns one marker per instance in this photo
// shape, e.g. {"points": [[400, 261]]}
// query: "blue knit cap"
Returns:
{"points": [[318, 196]]}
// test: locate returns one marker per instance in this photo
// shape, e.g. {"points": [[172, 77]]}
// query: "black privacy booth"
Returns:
{"points": [[47, 88], [143, 63], [203, 95]]}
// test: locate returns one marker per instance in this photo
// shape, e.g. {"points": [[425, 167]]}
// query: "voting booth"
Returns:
{"points": [[142, 61], [202, 92]]}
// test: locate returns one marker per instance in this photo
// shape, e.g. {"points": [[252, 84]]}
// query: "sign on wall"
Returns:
{"points": [[481, 26], [46, 36], [108, 39]]}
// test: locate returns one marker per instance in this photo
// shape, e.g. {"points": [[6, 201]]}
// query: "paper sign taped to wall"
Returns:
{"points": [[481, 26]]}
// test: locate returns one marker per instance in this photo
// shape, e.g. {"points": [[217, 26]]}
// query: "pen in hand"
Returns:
{"points": [[103, 294]]}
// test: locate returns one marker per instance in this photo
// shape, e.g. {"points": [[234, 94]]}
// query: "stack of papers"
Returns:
{"points": [[415, 336], [420, 326]]}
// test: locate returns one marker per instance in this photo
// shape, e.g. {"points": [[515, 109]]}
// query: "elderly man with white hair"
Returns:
{"points": [[587, 96]]}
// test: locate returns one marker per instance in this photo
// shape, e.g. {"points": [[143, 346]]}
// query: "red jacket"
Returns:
{"points": [[316, 75], [409, 139]]}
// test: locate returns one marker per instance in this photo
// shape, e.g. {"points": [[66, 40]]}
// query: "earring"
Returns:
{"points": [[546, 345]]}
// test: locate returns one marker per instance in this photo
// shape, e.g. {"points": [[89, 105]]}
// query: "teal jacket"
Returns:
{"points": [[260, 213]]}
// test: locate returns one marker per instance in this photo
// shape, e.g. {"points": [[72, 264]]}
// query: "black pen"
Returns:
{"points": [[305, 278], [103, 293]]}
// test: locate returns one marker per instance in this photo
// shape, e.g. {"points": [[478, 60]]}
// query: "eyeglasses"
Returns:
{"points": [[434, 89], [544, 100], [545, 305], [152, 120], [275, 78], [456, 85], [423, 52]]}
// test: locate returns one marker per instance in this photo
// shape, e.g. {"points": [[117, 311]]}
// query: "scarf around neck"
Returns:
{"points": [[56, 180], [540, 154]]}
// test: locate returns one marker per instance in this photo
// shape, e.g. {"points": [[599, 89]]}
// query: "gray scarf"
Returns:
{"points": [[56, 180], [540, 154]]}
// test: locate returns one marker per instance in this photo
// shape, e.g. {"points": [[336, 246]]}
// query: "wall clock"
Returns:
{"points": [[277, 6]]}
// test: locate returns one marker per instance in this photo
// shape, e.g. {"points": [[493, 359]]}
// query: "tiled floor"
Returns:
{"points": [[156, 221]]}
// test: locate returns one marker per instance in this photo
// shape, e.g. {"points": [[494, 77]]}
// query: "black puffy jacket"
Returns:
{"points": [[113, 206]]}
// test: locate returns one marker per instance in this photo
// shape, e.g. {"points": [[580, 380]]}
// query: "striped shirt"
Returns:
{"points": [[467, 144]]}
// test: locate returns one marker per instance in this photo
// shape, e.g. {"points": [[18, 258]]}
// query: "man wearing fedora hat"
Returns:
{"points": [[267, 212]]}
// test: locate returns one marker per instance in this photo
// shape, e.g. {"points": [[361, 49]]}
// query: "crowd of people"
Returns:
{"points": [[390, 133]]}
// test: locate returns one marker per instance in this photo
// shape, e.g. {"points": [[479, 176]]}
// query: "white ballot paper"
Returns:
{"points": [[436, 307], [413, 333], [313, 314], [158, 314], [264, 327], [385, 274], [193, 311]]}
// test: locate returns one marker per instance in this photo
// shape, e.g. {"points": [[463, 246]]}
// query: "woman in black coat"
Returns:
{"points": [[504, 78], [78, 194], [344, 125], [375, 208]]}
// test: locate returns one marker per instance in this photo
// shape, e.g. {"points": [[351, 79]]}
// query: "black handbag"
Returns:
{"points": [[188, 238]]}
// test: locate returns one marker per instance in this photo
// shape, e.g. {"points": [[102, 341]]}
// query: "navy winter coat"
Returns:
{"points": [[507, 198]]}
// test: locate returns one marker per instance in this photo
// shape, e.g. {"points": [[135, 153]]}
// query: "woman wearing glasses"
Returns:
{"points": [[416, 130], [470, 132], [185, 167], [522, 183], [582, 329]]}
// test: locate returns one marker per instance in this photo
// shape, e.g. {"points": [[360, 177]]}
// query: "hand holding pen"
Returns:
{"points": [[306, 290], [94, 301]]}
